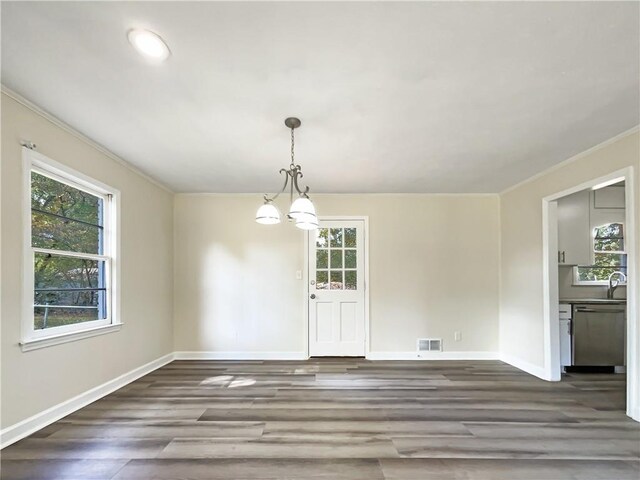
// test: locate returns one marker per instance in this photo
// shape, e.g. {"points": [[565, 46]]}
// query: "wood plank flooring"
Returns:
{"points": [[341, 419]]}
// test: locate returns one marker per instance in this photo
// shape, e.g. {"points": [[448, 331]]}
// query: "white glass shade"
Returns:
{"points": [[301, 206], [307, 221], [268, 214]]}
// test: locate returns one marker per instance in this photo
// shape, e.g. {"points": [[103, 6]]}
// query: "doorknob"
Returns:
{"points": [[313, 296]]}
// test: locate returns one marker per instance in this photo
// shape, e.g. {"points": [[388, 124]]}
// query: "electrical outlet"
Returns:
{"points": [[457, 336]]}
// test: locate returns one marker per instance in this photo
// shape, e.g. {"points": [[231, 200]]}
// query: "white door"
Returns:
{"points": [[336, 289]]}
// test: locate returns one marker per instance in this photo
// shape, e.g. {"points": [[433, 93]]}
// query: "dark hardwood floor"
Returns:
{"points": [[341, 419]]}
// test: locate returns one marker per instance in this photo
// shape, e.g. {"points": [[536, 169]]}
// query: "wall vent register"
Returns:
{"points": [[429, 345]]}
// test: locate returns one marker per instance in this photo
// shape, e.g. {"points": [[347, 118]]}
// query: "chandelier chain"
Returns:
{"points": [[292, 145]]}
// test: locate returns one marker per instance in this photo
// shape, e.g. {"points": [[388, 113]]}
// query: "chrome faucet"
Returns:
{"points": [[613, 284]]}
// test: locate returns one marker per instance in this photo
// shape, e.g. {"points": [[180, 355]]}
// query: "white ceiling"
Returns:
{"points": [[393, 97]]}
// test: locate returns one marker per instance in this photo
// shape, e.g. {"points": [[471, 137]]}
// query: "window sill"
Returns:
{"points": [[35, 344]]}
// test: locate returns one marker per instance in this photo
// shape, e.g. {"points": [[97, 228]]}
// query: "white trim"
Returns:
{"points": [[69, 129], [569, 160], [64, 253], [414, 355], [198, 355], [633, 311], [367, 326], [500, 284], [40, 420], [523, 365], [367, 305], [550, 291], [305, 291], [32, 339], [329, 194], [34, 344], [550, 294]]}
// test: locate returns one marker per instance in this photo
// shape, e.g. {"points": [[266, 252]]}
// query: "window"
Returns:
{"points": [[336, 259], [69, 255], [608, 256]]}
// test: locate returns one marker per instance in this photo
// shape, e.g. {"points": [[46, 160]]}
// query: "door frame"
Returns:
{"points": [[550, 284], [305, 279]]}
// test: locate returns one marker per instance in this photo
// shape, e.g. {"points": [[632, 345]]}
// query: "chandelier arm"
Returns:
{"points": [[286, 181], [290, 173], [294, 180]]}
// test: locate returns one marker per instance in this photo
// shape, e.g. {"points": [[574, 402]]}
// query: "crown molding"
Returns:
{"points": [[80, 136], [572, 159], [320, 195]]}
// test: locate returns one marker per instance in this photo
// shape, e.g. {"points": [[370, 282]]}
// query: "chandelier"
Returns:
{"points": [[301, 210]]}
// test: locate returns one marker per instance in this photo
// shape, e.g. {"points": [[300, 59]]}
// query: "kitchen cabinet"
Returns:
{"points": [[565, 335], [609, 197], [574, 239]]}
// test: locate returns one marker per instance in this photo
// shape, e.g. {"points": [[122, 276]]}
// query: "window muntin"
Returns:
{"points": [[336, 259], [608, 255], [70, 263]]}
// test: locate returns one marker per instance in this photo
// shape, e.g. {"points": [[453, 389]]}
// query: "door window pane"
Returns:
{"points": [[336, 237], [351, 280], [322, 260], [336, 280], [350, 237], [350, 260], [322, 280], [322, 238], [336, 259]]}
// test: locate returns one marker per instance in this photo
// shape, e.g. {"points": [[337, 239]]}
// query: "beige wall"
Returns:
{"points": [[36, 380], [521, 307], [433, 271]]}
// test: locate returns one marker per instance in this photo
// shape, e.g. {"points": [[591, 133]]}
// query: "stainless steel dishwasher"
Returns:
{"points": [[598, 335]]}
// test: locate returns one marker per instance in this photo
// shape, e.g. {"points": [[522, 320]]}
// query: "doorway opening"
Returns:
{"points": [[337, 298], [590, 284]]}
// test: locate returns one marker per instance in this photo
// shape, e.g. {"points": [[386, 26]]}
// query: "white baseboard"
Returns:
{"points": [[525, 366], [240, 356], [432, 356], [40, 420]]}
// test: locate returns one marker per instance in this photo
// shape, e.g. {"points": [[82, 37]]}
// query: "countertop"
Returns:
{"points": [[601, 301]]}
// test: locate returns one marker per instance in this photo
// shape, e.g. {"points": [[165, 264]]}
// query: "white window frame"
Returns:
{"points": [[31, 338], [576, 276]]}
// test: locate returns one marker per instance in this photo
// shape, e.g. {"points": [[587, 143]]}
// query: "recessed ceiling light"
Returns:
{"points": [[148, 44]]}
